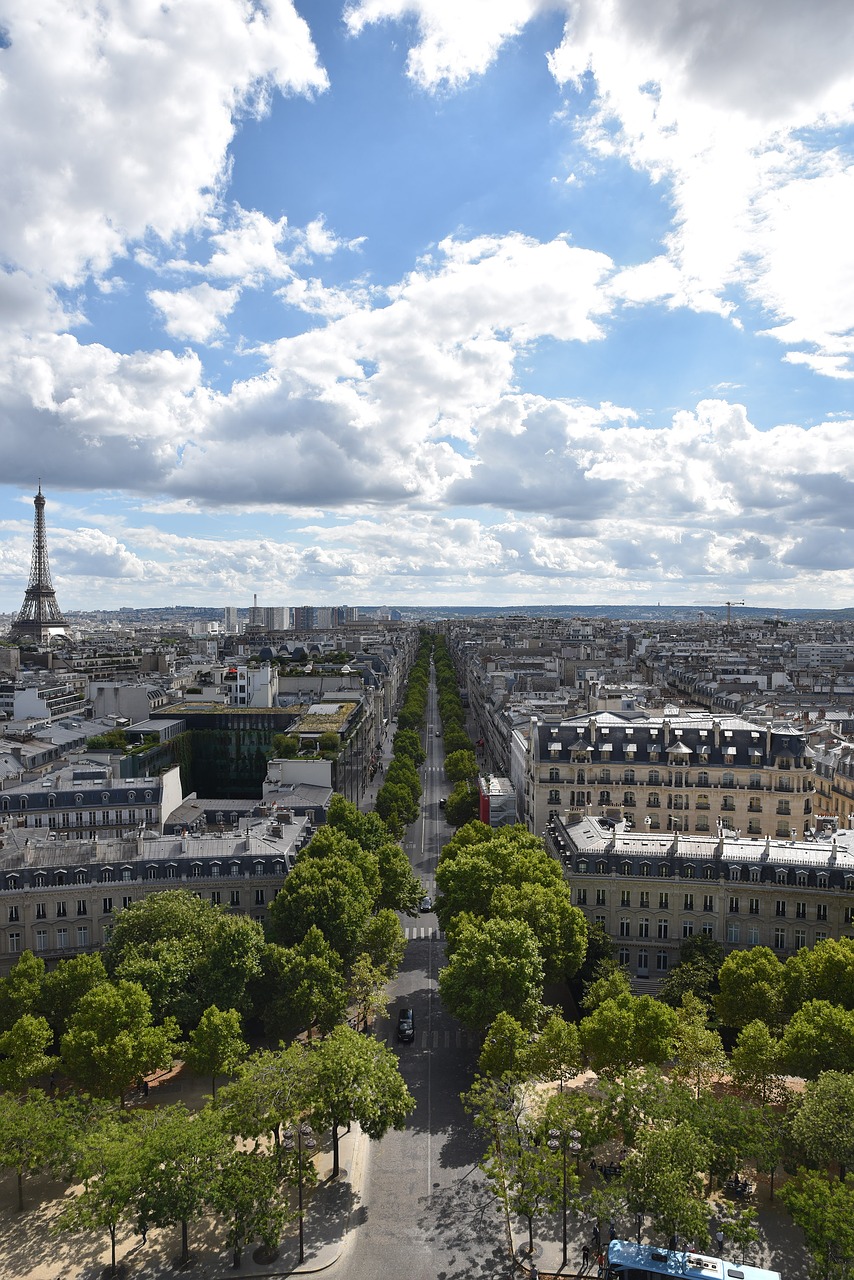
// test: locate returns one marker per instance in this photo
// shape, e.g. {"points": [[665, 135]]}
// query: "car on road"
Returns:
{"points": [[442, 802], [426, 903], [406, 1026]]}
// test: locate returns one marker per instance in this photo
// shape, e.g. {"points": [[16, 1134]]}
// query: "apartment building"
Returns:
{"points": [[58, 899], [687, 771], [88, 802], [649, 892]]}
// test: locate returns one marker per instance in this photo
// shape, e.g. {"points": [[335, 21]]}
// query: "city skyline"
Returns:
{"points": [[416, 302]]}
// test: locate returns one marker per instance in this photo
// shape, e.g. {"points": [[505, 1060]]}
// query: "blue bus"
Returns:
{"points": [[629, 1261]]}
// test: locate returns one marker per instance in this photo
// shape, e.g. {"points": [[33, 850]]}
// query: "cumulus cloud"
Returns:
{"points": [[195, 313], [123, 116]]}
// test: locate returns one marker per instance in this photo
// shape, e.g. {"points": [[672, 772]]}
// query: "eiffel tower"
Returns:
{"points": [[40, 618]]}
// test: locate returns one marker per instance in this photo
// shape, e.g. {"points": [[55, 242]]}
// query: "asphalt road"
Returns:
{"points": [[425, 1209]]}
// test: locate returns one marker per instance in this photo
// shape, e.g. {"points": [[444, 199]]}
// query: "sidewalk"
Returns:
{"points": [[30, 1249]]}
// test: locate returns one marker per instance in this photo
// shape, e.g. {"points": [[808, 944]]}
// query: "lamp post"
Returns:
{"points": [[304, 1138], [563, 1141]]}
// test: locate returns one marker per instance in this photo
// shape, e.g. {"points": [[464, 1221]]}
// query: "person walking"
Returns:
{"points": [[585, 1257], [719, 1240]]}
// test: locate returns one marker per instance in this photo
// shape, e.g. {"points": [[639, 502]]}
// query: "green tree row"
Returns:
{"points": [[460, 760]]}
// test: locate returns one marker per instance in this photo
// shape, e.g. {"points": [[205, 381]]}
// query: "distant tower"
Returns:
{"points": [[40, 617]]}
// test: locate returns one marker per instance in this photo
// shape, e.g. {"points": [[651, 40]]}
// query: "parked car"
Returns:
{"points": [[442, 802], [406, 1026], [426, 903]]}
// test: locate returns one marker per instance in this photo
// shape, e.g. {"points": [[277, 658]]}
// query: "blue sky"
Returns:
{"points": [[424, 301]]}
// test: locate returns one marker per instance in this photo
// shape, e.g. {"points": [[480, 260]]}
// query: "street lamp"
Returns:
{"points": [[563, 1141], [304, 1138]]}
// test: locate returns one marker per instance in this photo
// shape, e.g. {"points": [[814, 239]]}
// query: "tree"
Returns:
{"points": [[555, 1054], [820, 1037], [824, 1123], [493, 968], [302, 987], [20, 991], [187, 953], [111, 1040], [180, 1154], [559, 927], [768, 1139], [384, 941], [246, 1191], [401, 890], [331, 842], [756, 1063], [367, 990], [32, 1136], [23, 1053], [629, 1031], [824, 1210], [823, 972], [273, 1090], [217, 1047], [406, 742], [700, 1056], [109, 1165], [461, 766], [505, 1048], [524, 1175], [742, 1229], [328, 893], [662, 1178], [726, 1124], [330, 742], [367, 829], [395, 804], [462, 804], [609, 984], [751, 985], [357, 1078], [284, 746], [66, 985]]}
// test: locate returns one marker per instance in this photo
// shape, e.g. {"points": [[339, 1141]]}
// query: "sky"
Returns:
{"points": [[414, 302]]}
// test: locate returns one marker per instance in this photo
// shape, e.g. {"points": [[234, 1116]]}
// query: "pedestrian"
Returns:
{"points": [[612, 1230], [585, 1257], [597, 1239], [600, 1265], [719, 1240]]}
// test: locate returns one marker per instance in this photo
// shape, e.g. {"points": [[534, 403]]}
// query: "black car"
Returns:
{"points": [[406, 1026]]}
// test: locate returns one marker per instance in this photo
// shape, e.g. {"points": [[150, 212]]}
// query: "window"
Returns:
{"points": [[171, 871], [688, 871], [821, 911], [644, 868], [215, 897], [600, 920], [625, 927], [107, 875], [783, 806], [625, 898], [662, 929], [62, 939], [709, 872], [82, 907], [753, 906], [628, 775], [127, 873], [235, 897], [554, 775], [81, 877], [13, 915], [702, 778], [554, 797], [41, 911], [41, 939], [779, 939], [600, 898], [643, 962], [661, 961], [664, 868], [755, 875], [780, 907], [800, 911], [643, 928], [727, 779], [733, 931], [644, 900], [108, 907], [623, 956], [604, 775], [754, 805], [733, 906], [259, 897], [708, 902], [708, 929], [258, 868], [61, 909], [800, 938], [604, 797], [782, 876], [628, 799], [653, 800], [654, 778], [753, 935], [151, 873], [126, 902], [688, 902], [821, 880], [13, 941], [82, 935], [581, 897], [820, 937], [664, 902], [735, 873], [687, 928]]}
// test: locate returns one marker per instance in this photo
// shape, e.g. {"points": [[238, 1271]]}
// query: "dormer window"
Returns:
{"points": [[105, 797]]}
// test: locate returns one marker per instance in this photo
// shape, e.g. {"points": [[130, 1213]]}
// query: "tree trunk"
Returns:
{"points": [[185, 1246], [335, 1165], [213, 1087], [20, 1191], [235, 1260], [112, 1248]]}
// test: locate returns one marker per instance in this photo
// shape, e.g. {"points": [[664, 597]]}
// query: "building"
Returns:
{"points": [[650, 892], [685, 771], [59, 898], [496, 801], [88, 801]]}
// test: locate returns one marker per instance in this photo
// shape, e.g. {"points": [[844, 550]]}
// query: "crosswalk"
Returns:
{"points": [[457, 1039], [414, 932]]}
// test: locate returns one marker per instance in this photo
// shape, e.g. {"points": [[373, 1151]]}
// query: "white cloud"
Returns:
{"points": [[123, 115], [195, 313], [456, 40]]}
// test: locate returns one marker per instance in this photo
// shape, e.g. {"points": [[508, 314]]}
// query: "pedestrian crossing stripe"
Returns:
{"points": [[447, 1039], [414, 933]]}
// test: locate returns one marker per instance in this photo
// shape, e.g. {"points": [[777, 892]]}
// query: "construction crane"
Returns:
{"points": [[729, 604]]}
